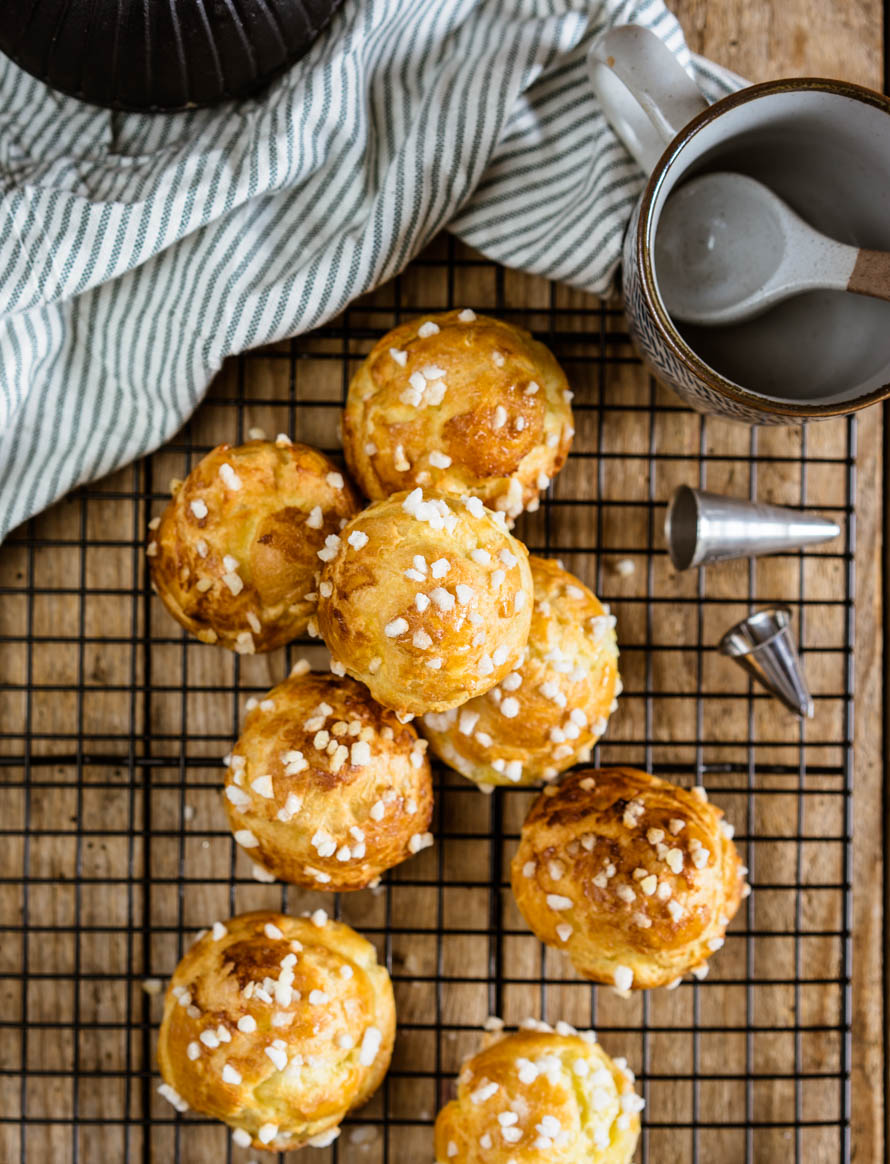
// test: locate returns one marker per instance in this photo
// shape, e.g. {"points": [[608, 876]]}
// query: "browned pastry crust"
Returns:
{"points": [[325, 788], [426, 600], [539, 1096], [548, 714], [458, 403], [634, 877], [234, 555], [278, 1026]]}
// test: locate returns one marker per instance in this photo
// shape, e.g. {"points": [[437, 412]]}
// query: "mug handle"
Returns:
{"points": [[645, 93]]}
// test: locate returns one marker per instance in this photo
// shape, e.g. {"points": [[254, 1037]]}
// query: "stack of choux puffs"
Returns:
{"points": [[445, 637]]}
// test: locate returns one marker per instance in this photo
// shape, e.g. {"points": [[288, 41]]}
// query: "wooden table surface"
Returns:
{"points": [[110, 900], [761, 40]]}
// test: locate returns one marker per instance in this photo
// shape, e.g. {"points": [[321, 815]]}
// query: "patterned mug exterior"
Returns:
{"points": [[657, 110]]}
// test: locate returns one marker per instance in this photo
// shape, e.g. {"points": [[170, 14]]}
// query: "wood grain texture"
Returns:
{"points": [[794, 39], [802, 38], [871, 274]]}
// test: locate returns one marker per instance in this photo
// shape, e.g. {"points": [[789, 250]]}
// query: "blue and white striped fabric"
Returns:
{"points": [[137, 252]]}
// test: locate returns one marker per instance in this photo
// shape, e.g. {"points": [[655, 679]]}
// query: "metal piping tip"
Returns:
{"points": [[703, 527], [763, 644]]}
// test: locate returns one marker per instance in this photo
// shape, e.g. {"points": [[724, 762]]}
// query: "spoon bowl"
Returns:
{"points": [[728, 248]]}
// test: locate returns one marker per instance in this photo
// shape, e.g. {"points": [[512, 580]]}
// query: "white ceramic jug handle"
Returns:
{"points": [[644, 91]]}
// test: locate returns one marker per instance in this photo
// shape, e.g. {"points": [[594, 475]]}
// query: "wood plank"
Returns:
{"points": [[799, 38]]}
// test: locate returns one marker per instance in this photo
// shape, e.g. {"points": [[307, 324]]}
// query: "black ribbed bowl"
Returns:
{"points": [[159, 54]]}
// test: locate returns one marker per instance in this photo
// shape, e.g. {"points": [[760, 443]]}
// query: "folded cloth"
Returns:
{"points": [[138, 251]]}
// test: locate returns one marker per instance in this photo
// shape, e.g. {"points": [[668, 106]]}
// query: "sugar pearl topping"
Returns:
{"points": [[485, 1091], [229, 477], [173, 1097], [623, 978], [436, 512], [443, 599], [370, 1046], [557, 901], [331, 548]]}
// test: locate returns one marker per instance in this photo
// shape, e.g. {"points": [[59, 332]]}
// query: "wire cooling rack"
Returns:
{"points": [[115, 849]]}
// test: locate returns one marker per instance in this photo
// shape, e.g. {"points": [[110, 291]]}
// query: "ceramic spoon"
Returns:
{"points": [[728, 248]]}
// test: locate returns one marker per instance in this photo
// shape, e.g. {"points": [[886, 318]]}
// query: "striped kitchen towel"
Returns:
{"points": [[137, 252]]}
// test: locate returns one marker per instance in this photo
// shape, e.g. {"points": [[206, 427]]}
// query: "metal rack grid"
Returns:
{"points": [[116, 850]]}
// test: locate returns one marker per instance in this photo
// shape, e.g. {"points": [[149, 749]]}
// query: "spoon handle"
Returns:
{"points": [[871, 274]]}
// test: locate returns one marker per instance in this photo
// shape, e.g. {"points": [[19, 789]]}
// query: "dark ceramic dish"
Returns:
{"points": [[159, 54]]}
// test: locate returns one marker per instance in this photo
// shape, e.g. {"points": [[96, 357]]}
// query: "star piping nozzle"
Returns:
{"points": [[764, 645], [703, 527]]}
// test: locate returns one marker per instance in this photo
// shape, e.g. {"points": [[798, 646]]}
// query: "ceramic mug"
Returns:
{"points": [[824, 147]]}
